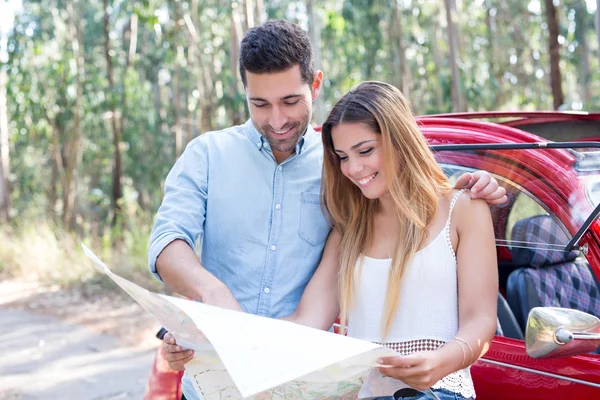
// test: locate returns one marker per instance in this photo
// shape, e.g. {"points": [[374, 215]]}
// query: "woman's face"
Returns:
{"points": [[361, 158]]}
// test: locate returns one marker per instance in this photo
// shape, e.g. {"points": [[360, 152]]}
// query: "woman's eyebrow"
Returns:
{"points": [[356, 145]]}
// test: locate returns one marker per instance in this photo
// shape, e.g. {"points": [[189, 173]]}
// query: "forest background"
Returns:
{"points": [[98, 98]]}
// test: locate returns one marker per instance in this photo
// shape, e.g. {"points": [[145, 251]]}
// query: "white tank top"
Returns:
{"points": [[427, 313]]}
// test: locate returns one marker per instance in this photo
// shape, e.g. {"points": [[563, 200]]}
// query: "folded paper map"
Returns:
{"points": [[245, 356]]}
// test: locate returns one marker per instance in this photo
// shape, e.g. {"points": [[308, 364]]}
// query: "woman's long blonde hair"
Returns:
{"points": [[414, 179]]}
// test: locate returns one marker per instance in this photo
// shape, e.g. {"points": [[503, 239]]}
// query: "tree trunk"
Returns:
{"points": [[395, 39], [133, 29], [314, 31], [492, 49], [585, 81], [490, 23], [401, 78], [53, 191], [4, 151], [191, 23], [234, 52], [249, 14], [211, 99], [598, 26], [176, 82], [157, 88], [437, 87], [160, 101], [58, 167], [186, 125], [73, 151], [584, 53], [203, 83], [458, 103], [132, 34], [117, 192], [192, 78], [456, 20], [555, 76], [177, 106], [259, 12]]}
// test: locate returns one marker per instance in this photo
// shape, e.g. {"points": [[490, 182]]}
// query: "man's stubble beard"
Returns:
{"points": [[301, 130]]}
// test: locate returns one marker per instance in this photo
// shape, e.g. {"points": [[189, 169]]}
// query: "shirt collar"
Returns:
{"points": [[253, 135], [259, 141]]}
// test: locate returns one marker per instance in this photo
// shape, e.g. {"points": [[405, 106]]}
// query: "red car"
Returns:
{"points": [[547, 236]]}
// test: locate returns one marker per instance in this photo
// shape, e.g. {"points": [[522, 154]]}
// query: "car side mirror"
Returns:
{"points": [[553, 332]]}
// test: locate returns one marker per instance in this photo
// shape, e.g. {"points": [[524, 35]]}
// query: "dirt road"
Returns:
{"points": [[78, 350]]}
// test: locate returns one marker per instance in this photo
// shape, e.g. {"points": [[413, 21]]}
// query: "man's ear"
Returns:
{"points": [[315, 88]]}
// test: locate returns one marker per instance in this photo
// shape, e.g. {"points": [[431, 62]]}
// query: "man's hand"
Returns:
{"points": [[176, 355], [483, 186]]}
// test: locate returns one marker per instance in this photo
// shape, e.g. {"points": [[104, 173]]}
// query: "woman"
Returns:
{"points": [[417, 259]]}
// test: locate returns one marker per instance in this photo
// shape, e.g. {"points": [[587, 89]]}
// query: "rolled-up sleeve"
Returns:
{"points": [[182, 212]]}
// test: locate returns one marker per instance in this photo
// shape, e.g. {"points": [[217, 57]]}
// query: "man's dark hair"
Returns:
{"points": [[276, 46]]}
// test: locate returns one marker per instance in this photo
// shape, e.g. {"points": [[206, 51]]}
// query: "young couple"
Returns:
{"points": [[405, 259]]}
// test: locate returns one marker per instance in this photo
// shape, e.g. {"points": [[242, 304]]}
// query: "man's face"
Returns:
{"points": [[280, 106]]}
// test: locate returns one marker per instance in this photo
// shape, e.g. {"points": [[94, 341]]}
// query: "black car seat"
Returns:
{"points": [[507, 323], [548, 278]]}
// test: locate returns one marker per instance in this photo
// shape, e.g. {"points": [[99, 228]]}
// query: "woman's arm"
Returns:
{"points": [[477, 296], [477, 285], [319, 305], [477, 277]]}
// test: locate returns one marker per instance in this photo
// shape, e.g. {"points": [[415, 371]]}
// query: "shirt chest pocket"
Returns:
{"points": [[314, 227]]}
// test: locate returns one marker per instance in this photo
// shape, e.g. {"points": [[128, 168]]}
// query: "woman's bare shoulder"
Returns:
{"points": [[467, 210]]}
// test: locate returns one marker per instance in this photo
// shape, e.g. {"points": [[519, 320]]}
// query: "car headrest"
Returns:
{"points": [[539, 229]]}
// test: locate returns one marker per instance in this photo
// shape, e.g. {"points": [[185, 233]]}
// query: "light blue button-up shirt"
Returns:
{"points": [[260, 223]]}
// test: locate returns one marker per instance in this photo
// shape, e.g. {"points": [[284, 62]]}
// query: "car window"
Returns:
{"points": [[522, 205]]}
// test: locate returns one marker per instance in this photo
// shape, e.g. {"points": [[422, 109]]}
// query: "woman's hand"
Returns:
{"points": [[419, 370]]}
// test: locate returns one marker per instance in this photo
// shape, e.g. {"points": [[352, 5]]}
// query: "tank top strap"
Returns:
{"points": [[447, 227], [452, 204]]}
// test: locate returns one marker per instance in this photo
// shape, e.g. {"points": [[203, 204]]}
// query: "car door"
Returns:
{"points": [[506, 371]]}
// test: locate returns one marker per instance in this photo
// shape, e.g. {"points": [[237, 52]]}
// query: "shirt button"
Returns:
{"points": [[280, 168], [278, 206], [266, 290], [273, 247]]}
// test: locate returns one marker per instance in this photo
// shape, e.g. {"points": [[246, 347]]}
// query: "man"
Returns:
{"points": [[252, 193]]}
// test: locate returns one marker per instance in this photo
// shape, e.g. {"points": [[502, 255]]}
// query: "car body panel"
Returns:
{"points": [[542, 116], [552, 125], [507, 372]]}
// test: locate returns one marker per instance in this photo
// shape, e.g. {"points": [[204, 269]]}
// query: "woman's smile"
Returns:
{"points": [[366, 180]]}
